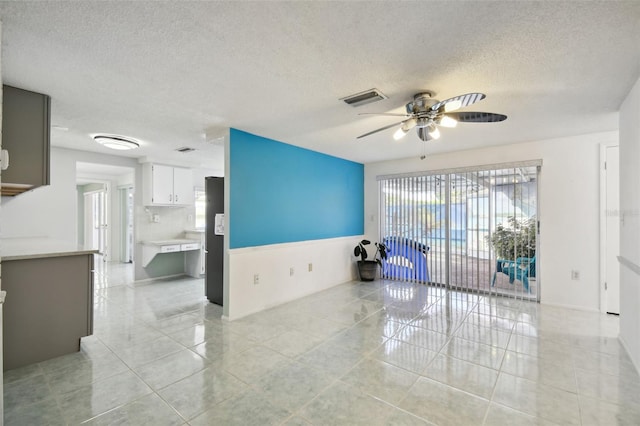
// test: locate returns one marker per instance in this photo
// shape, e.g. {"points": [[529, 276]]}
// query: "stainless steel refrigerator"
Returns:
{"points": [[214, 187]]}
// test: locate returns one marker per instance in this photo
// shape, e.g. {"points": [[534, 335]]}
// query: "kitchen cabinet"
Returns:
{"points": [[49, 304], [183, 192], [26, 128], [167, 185]]}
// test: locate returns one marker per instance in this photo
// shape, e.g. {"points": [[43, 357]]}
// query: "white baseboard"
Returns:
{"points": [[574, 307]]}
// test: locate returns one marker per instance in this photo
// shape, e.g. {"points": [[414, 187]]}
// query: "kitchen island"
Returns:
{"points": [[49, 300]]}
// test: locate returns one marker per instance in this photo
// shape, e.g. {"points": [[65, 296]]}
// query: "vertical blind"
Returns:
{"points": [[473, 229]]}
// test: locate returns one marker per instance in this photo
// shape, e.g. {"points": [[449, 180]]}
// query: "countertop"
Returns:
{"points": [[35, 248]]}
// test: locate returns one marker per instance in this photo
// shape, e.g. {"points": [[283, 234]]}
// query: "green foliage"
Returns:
{"points": [[361, 252], [518, 239]]}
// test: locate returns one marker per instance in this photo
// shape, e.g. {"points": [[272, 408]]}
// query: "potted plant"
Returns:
{"points": [[518, 239], [367, 268]]}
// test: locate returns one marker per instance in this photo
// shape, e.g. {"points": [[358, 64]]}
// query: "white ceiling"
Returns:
{"points": [[164, 72]]}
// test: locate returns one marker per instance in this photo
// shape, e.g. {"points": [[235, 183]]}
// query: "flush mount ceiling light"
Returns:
{"points": [[120, 143]]}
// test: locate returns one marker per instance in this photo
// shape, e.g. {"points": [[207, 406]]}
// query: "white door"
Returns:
{"points": [[95, 222], [612, 246], [88, 222]]}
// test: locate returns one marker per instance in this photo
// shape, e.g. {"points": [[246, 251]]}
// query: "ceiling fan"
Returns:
{"points": [[425, 114]]}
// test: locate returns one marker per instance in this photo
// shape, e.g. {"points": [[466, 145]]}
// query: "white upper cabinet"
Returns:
{"points": [[183, 192], [167, 185]]}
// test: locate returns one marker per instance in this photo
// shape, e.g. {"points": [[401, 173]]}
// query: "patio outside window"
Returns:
{"points": [[471, 229]]}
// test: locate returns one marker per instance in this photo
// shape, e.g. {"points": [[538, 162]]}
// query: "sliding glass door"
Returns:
{"points": [[471, 229]]}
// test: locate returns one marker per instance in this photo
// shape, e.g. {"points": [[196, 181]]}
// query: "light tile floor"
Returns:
{"points": [[378, 353]]}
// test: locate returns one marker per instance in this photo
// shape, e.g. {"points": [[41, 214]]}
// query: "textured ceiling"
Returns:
{"points": [[164, 72]]}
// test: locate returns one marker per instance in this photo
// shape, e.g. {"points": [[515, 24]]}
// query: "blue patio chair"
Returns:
{"points": [[521, 269], [406, 260]]}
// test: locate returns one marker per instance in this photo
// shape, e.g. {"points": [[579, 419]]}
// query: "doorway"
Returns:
{"points": [[105, 209], [473, 229]]}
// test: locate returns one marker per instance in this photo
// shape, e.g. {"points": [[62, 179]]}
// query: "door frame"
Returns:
{"points": [[447, 216], [107, 212], [603, 223]]}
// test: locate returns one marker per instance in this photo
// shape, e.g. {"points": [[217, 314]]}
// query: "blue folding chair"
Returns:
{"points": [[406, 260]]}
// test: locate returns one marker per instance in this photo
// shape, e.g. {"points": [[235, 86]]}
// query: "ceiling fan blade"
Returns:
{"points": [[458, 102], [379, 130], [384, 113], [477, 117]]}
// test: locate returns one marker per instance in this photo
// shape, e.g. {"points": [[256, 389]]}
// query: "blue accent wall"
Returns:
{"points": [[281, 193]]}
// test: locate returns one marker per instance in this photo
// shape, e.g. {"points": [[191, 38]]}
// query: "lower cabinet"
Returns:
{"points": [[48, 308]]}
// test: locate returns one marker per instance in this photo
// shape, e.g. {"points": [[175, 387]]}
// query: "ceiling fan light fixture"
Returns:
{"points": [[120, 143], [447, 121], [426, 114], [423, 122], [423, 134], [399, 134], [409, 124]]}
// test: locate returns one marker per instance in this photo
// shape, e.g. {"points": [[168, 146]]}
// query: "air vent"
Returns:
{"points": [[185, 149], [363, 98]]}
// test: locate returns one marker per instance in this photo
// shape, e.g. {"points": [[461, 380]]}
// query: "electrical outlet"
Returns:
{"points": [[575, 275], [256, 279], [310, 267], [290, 272]]}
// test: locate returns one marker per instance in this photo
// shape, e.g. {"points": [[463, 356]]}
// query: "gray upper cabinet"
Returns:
{"points": [[26, 126]]}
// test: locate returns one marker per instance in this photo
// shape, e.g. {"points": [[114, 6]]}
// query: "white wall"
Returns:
{"points": [[332, 260], [200, 174], [47, 211], [630, 226], [568, 202], [51, 211]]}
